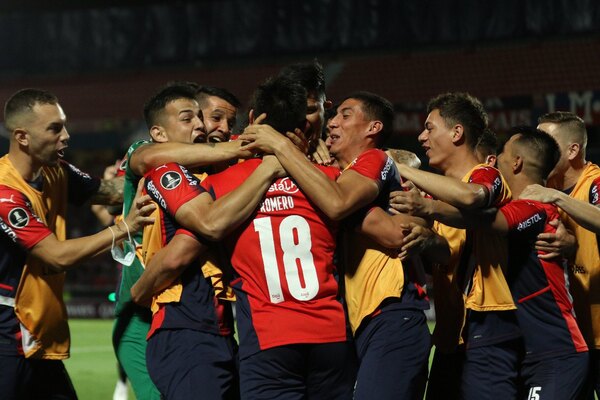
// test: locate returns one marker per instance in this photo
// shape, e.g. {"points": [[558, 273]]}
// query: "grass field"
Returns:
{"points": [[92, 366]]}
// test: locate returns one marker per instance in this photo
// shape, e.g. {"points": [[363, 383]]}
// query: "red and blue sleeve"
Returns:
{"points": [[171, 186], [81, 185], [524, 216], [595, 192], [18, 221], [491, 179]]}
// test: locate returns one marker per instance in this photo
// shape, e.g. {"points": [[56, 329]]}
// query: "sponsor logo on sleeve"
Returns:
{"points": [[18, 218]]}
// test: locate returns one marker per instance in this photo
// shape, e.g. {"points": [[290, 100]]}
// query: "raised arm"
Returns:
{"points": [[337, 199], [450, 190], [152, 155], [585, 214]]}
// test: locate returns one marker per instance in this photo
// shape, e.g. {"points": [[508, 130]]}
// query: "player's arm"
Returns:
{"points": [[64, 255], [337, 199], [411, 202], [585, 214], [214, 219], [385, 229], [450, 190], [151, 155], [166, 266], [110, 192], [423, 241]]}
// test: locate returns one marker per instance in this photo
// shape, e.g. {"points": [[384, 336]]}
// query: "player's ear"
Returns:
{"points": [[458, 132], [376, 127], [158, 134], [573, 151], [21, 136], [517, 164]]}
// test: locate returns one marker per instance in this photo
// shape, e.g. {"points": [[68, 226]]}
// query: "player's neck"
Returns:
{"points": [[24, 164], [459, 164], [518, 183], [572, 174]]}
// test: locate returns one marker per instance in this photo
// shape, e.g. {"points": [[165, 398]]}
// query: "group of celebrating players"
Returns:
{"points": [[322, 241]]}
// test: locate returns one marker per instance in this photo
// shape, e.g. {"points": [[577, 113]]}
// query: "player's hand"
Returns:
{"points": [[140, 210], [111, 171], [409, 202], [297, 137], [261, 138], [538, 193], [559, 244], [321, 154], [415, 239], [275, 166]]}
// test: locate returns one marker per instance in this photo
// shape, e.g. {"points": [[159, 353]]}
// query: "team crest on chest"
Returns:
{"points": [[18, 217], [170, 180]]}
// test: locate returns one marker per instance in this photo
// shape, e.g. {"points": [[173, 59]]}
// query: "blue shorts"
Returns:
{"points": [[24, 378], [445, 376], [556, 378], [491, 372], [393, 352], [186, 364], [300, 371]]}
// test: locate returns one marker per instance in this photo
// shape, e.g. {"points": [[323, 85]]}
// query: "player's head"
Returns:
{"points": [[529, 151], [487, 148], [406, 157], [312, 78], [453, 120], [219, 111], [363, 120], [570, 133], [284, 102], [173, 114], [36, 122]]}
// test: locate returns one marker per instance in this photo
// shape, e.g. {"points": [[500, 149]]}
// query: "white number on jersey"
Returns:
{"points": [[294, 254]]}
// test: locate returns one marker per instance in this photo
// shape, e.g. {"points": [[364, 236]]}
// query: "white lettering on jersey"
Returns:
{"points": [[529, 221], [285, 185], [277, 203]]}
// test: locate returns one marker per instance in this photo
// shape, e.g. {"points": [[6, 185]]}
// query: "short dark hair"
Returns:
{"points": [[25, 100], [376, 108], [487, 144], [202, 92], [570, 124], [542, 149], [284, 102], [171, 92], [309, 75], [464, 109]]}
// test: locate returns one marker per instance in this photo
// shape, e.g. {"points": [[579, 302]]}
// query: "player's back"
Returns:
{"points": [[283, 258]]}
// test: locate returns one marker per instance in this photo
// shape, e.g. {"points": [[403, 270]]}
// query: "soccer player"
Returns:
{"points": [[219, 112], [386, 315], [556, 357], [485, 319], [580, 180], [35, 187], [177, 133], [292, 330]]}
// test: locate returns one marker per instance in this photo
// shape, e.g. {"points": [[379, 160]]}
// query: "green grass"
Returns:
{"points": [[92, 366]]}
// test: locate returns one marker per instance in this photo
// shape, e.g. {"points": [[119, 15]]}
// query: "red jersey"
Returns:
{"points": [[285, 282]]}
